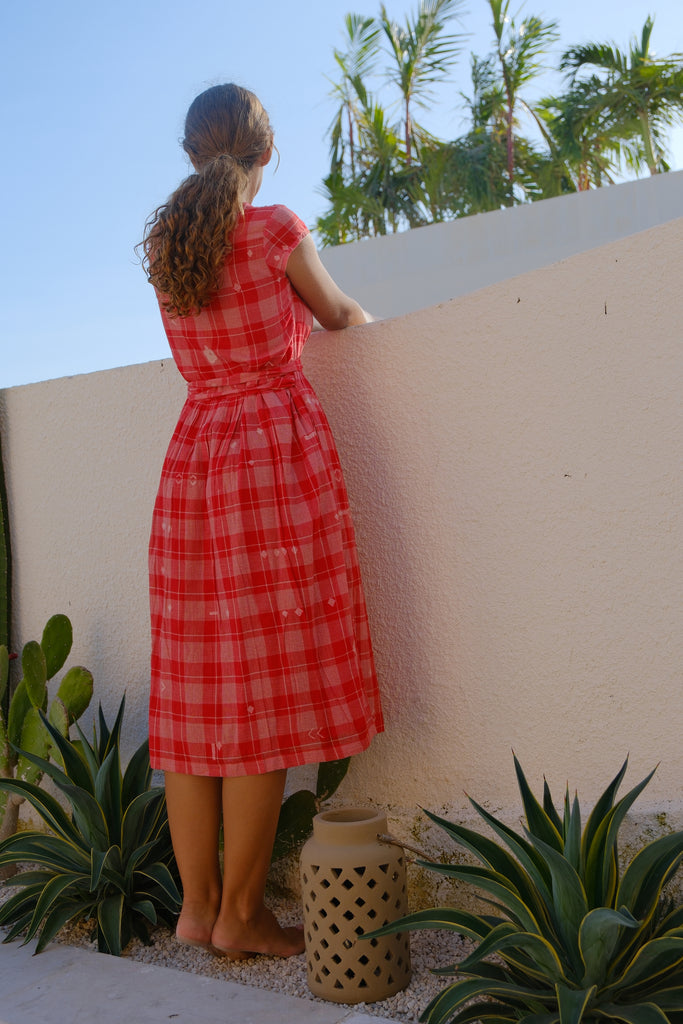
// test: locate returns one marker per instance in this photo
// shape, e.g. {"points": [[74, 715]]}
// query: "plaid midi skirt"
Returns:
{"points": [[261, 654]]}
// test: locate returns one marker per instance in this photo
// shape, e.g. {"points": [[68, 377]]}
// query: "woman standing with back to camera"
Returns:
{"points": [[261, 656]]}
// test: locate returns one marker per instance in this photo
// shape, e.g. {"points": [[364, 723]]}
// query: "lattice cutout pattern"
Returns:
{"points": [[339, 905]]}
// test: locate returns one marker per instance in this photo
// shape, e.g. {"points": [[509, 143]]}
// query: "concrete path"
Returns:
{"points": [[66, 985]]}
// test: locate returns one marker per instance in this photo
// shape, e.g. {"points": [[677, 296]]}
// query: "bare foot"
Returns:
{"points": [[261, 934], [195, 924]]}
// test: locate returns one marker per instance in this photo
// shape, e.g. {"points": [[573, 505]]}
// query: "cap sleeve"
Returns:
{"points": [[281, 235]]}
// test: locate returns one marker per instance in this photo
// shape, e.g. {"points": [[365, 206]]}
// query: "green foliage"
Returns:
{"points": [[636, 95], [22, 730], [573, 939], [295, 823], [5, 568], [110, 860], [388, 172]]}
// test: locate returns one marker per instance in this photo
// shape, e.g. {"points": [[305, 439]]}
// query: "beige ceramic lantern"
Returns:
{"points": [[353, 883]]}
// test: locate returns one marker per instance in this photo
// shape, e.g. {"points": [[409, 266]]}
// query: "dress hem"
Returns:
{"points": [[274, 762]]}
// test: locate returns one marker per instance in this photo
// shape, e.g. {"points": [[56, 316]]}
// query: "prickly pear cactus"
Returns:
{"points": [[22, 727]]}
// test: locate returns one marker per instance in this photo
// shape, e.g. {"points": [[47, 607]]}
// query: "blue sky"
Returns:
{"points": [[93, 101]]}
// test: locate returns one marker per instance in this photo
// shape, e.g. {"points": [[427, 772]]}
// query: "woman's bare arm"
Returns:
{"points": [[328, 303]]}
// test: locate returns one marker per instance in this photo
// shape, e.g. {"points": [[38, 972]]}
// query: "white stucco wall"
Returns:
{"points": [[513, 458], [402, 273]]}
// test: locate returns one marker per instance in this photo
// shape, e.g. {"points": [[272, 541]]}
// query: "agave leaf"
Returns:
{"points": [[498, 886], [573, 1002], [18, 928], [572, 832], [110, 922], [601, 876], [330, 776], [668, 999], [88, 753], [49, 895], [48, 808], [528, 857], [539, 1018], [674, 919], [74, 766], [133, 859], [44, 767], [447, 918], [108, 793], [496, 857], [549, 806], [73, 910], [56, 643], [539, 823], [51, 851], [28, 878], [133, 817], [20, 903], [506, 939], [113, 738], [4, 671], [643, 879], [160, 874], [599, 812], [569, 906], [652, 961], [146, 908], [137, 776], [88, 817], [98, 859], [643, 1013], [442, 1007], [598, 938]]}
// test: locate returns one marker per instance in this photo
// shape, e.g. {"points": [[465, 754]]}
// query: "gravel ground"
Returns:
{"points": [[429, 949]]}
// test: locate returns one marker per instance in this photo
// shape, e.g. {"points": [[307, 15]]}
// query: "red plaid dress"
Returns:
{"points": [[261, 655]]}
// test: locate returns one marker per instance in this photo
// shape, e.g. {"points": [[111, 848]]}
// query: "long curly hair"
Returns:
{"points": [[187, 239]]}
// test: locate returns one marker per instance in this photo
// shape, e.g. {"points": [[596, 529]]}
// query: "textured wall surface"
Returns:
{"points": [[514, 463]]}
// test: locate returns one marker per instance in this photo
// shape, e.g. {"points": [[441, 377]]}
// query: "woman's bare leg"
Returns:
{"points": [[194, 814], [251, 807]]}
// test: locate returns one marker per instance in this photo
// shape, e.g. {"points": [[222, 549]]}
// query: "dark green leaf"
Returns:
{"points": [[538, 822], [137, 776], [330, 776], [48, 808], [110, 922], [572, 1003], [644, 1013], [446, 918], [642, 881], [295, 822], [108, 793], [598, 938]]}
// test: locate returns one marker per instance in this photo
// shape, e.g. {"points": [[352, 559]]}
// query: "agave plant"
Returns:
{"points": [[110, 860], [574, 939]]}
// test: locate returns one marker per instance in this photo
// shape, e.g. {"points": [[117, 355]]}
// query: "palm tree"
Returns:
{"points": [[422, 55], [518, 50], [640, 96], [355, 63], [581, 140]]}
